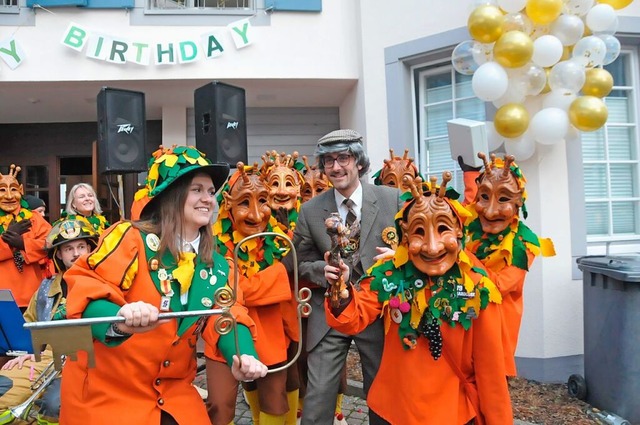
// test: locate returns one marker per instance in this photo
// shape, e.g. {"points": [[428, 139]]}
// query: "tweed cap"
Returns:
{"points": [[340, 136]]}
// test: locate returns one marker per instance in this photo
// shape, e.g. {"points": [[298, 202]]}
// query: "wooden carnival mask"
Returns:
{"points": [[11, 191], [395, 169], [500, 194], [282, 181], [315, 181], [431, 228], [247, 202]]}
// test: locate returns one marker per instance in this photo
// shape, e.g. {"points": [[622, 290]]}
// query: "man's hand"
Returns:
{"points": [[19, 227], [282, 216], [466, 167], [139, 317], [247, 368]]}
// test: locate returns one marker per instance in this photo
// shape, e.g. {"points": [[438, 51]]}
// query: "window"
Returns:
{"points": [[611, 163], [442, 95], [218, 6]]}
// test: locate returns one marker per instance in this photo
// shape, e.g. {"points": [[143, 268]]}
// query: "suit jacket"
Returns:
{"points": [[379, 206]]}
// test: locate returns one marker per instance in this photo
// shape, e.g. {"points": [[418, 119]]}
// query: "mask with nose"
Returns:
{"points": [[11, 191], [314, 181], [395, 169], [500, 193]]}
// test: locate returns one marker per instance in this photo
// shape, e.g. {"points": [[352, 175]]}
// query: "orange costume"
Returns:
{"points": [[442, 361], [20, 266], [148, 372], [509, 253]]}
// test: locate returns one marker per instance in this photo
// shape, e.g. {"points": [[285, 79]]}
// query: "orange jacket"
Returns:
{"points": [[411, 388], [135, 378], [510, 281], [24, 285]]}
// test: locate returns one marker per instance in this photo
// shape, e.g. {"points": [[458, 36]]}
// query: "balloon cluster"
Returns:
{"points": [[540, 63]]}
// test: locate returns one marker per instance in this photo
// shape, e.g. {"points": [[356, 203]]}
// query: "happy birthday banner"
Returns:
{"points": [[119, 50]]}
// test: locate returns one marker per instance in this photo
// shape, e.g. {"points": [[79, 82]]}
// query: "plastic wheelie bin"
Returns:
{"points": [[611, 335]]}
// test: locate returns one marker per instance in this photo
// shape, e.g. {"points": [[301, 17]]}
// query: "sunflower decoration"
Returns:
{"points": [[420, 303], [283, 178], [509, 246], [246, 189]]}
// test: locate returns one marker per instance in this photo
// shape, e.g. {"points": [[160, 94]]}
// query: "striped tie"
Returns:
{"points": [[351, 215]]}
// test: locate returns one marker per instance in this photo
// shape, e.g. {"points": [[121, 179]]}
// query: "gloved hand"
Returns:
{"points": [[466, 167], [282, 216], [19, 227], [13, 239]]}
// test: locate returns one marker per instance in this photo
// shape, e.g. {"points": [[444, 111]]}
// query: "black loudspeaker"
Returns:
{"points": [[221, 126], [122, 131]]}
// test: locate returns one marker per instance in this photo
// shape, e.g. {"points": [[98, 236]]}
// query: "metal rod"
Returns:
{"points": [[118, 319]]}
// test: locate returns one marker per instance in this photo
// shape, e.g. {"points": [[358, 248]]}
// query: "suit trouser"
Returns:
{"points": [[325, 362]]}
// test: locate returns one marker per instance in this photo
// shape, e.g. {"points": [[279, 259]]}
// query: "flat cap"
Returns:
{"points": [[340, 136]]}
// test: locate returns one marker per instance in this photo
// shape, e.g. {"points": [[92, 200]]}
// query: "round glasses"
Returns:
{"points": [[342, 160]]}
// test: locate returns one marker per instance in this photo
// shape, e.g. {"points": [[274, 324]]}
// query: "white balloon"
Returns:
{"points": [[462, 58], [522, 148], [547, 50], [494, 140], [549, 126], [568, 29], [613, 48], [511, 6], [601, 17], [517, 22], [589, 51], [577, 7], [558, 99], [567, 76], [490, 81], [516, 88]]}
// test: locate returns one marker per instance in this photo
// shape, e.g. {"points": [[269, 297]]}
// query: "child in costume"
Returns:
{"points": [[264, 283], [442, 359], [497, 236], [22, 239], [166, 261]]}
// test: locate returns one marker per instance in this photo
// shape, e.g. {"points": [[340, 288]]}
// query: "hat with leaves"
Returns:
{"points": [[168, 165]]}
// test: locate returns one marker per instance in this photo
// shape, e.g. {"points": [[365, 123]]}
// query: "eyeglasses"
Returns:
{"points": [[342, 159]]}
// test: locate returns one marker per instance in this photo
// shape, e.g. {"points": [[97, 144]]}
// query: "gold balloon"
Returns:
{"points": [[513, 50], [598, 82], [616, 4], [543, 12], [511, 120], [485, 23], [588, 113]]}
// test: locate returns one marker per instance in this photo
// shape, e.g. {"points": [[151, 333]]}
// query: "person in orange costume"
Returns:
{"points": [[264, 282], [442, 359], [497, 236], [22, 241], [166, 261]]}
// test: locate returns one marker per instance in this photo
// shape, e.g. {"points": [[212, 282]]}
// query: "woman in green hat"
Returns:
{"points": [[165, 261]]}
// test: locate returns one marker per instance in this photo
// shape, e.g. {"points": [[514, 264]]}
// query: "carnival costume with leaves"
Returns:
{"points": [[97, 221], [507, 255], [21, 269], [455, 315], [263, 279], [130, 265]]}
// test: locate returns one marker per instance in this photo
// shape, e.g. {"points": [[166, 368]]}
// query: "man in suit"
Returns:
{"points": [[342, 158]]}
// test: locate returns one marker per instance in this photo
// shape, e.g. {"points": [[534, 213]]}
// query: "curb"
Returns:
{"points": [[355, 389]]}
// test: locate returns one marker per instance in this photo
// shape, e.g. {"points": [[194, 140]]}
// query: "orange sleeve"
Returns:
{"points": [[489, 368], [34, 239], [510, 278], [470, 186], [362, 310], [268, 286]]}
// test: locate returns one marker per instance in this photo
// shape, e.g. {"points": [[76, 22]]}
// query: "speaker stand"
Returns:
{"points": [[120, 197]]}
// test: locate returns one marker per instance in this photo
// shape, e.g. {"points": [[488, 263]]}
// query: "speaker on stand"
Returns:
{"points": [[122, 135], [221, 127]]}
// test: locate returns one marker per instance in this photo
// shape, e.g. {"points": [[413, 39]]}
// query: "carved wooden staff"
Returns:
{"points": [[339, 234]]}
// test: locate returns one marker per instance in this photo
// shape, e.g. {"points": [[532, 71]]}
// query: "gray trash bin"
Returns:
{"points": [[612, 333]]}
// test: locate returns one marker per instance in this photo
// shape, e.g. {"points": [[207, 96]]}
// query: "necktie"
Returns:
{"points": [[351, 219], [351, 215]]}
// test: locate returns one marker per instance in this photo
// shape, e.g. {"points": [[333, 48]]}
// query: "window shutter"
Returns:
{"points": [[294, 5]]}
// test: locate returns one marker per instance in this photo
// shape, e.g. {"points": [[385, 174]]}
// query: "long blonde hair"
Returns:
{"points": [[97, 209]]}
